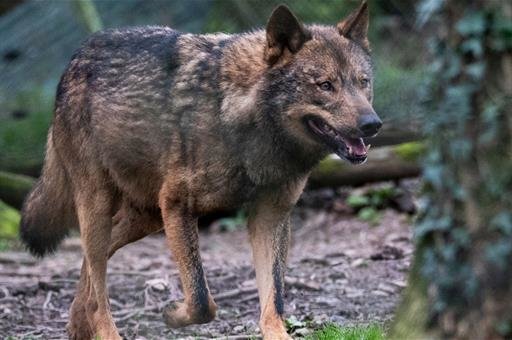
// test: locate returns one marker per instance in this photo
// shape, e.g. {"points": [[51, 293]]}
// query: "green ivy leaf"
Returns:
{"points": [[499, 253], [476, 70], [503, 222], [473, 46], [357, 201], [369, 214], [472, 23]]}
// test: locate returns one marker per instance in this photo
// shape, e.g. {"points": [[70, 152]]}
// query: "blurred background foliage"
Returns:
{"points": [[460, 284], [32, 56]]}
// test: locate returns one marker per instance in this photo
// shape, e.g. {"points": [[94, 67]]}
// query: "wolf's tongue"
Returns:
{"points": [[356, 146]]}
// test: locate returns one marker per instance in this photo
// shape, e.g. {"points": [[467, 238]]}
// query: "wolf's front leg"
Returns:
{"points": [[181, 232], [270, 233], [269, 228]]}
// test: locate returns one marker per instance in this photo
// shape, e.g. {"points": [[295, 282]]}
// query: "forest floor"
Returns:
{"points": [[340, 269]]}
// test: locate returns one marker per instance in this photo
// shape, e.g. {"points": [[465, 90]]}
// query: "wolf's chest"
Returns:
{"points": [[222, 190]]}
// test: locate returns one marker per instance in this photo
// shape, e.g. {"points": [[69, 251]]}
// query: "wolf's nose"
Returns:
{"points": [[369, 124]]}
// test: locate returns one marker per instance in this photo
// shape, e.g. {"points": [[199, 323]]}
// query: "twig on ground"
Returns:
{"points": [[297, 283], [5, 291], [250, 297], [235, 292], [8, 299], [132, 273], [127, 313], [117, 303], [48, 299]]}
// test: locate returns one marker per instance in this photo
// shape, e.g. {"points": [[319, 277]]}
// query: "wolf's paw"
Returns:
{"points": [[104, 326], [175, 315], [179, 314], [78, 327], [273, 329], [79, 331]]}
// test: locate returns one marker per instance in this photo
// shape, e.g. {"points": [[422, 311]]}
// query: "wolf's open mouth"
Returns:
{"points": [[351, 149]]}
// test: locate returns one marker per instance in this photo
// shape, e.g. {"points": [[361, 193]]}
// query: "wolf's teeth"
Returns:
{"points": [[368, 147]]}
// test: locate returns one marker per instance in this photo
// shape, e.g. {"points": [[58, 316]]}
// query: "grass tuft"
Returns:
{"points": [[335, 332]]}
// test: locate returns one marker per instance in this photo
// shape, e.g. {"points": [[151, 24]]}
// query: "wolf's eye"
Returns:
{"points": [[326, 86], [365, 82]]}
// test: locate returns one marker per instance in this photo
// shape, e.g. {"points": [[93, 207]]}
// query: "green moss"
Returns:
{"points": [[328, 166], [15, 184], [9, 221], [23, 138], [335, 332], [412, 151], [22, 141], [14, 188]]}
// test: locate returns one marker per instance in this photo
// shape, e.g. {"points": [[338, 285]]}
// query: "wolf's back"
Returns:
{"points": [[48, 211]]}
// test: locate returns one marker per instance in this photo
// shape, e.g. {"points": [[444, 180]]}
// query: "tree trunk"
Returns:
{"points": [[460, 286], [411, 315]]}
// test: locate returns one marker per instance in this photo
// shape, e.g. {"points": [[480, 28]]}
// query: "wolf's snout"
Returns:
{"points": [[369, 124]]}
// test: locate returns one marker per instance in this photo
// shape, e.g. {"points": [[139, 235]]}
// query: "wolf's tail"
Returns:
{"points": [[48, 211]]}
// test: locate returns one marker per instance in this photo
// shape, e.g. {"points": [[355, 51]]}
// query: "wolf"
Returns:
{"points": [[154, 128]]}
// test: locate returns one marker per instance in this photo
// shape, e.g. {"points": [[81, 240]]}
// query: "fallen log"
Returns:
{"points": [[30, 167], [384, 164], [14, 188], [388, 136], [394, 136]]}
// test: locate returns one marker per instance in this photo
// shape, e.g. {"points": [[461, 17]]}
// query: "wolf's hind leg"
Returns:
{"points": [[94, 210], [79, 327], [130, 225], [182, 236]]}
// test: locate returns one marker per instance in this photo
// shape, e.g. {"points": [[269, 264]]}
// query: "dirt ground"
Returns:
{"points": [[341, 269]]}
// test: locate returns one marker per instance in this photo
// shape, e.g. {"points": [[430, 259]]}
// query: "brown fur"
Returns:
{"points": [[154, 128]]}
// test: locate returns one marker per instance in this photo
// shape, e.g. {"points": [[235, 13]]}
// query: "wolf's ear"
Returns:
{"points": [[355, 26], [284, 31]]}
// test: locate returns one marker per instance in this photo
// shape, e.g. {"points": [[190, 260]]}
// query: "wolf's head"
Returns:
{"points": [[320, 78]]}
